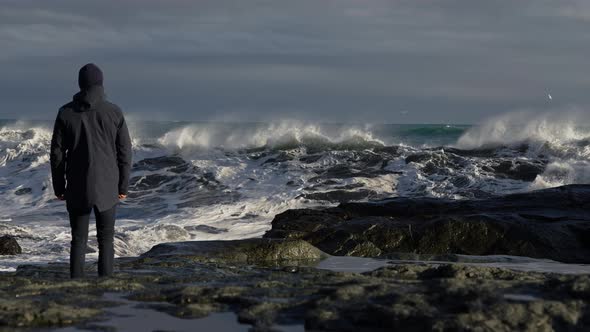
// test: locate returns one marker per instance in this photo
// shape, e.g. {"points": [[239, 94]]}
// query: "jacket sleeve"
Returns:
{"points": [[57, 157], [124, 153]]}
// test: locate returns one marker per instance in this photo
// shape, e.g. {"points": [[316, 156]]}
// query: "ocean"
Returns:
{"points": [[224, 181]]}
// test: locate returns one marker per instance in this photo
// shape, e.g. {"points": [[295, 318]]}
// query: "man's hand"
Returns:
{"points": [[61, 197], [122, 196]]}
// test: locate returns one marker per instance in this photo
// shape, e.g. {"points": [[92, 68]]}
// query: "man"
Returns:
{"points": [[90, 164]]}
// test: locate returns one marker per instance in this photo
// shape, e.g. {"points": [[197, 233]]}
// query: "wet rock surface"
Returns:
{"points": [[552, 223], [517, 169], [9, 246], [416, 297], [252, 251]]}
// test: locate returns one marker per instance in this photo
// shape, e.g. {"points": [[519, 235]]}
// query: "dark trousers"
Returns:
{"points": [[105, 231]]}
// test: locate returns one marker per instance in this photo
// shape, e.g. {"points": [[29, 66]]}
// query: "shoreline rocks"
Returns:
{"points": [[248, 251], [417, 297], [551, 223]]}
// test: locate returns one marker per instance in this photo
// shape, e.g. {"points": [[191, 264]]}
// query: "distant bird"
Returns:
{"points": [[549, 96]]}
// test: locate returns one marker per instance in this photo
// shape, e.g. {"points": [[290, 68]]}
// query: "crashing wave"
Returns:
{"points": [[280, 136], [536, 130]]}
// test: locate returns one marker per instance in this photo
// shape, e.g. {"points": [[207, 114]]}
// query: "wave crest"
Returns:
{"points": [[526, 128], [283, 135]]}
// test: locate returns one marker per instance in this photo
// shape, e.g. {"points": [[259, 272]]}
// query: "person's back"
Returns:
{"points": [[90, 164]]}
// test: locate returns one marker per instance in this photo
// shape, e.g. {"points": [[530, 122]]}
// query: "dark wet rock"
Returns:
{"points": [[23, 191], [459, 298], [340, 196], [416, 297], [518, 169], [247, 251], [551, 223], [478, 194], [21, 313], [9, 246]]}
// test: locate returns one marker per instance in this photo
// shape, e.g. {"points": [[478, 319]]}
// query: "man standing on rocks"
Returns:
{"points": [[90, 164]]}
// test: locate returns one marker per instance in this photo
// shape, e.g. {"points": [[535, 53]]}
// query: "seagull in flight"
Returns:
{"points": [[549, 96]]}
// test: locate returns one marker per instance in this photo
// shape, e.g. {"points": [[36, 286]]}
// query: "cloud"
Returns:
{"points": [[456, 60]]}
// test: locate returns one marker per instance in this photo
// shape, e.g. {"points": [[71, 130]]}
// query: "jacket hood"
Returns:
{"points": [[89, 98], [89, 75]]}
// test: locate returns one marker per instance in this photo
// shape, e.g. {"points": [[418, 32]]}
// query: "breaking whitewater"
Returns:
{"points": [[209, 181]]}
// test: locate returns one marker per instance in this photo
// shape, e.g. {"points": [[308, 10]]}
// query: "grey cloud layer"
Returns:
{"points": [[331, 60]]}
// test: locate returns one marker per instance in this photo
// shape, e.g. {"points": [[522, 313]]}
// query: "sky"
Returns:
{"points": [[378, 61]]}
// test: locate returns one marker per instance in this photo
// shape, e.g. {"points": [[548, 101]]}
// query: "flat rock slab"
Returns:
{"points": [[253, 251], [551, 223]]}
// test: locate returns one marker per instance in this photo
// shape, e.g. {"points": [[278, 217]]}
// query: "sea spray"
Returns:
{"points": [[281, 135], [562, 139], [526, 128]]}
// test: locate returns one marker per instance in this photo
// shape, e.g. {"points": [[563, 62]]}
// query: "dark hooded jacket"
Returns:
{"points": [[90, 151]]}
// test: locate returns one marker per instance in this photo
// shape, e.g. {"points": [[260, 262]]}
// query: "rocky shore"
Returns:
{"points": [[273, 282], [551, 223]]}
